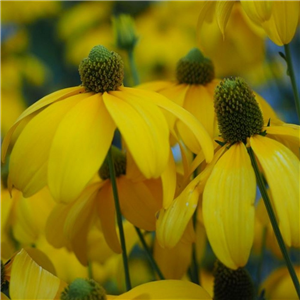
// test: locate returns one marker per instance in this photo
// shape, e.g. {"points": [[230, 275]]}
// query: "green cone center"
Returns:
{"points": [[83, 289], [101, 71], [194, 68], [119, 159], [238, 113], [232, 284]]}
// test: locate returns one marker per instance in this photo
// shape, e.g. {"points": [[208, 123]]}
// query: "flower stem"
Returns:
{"points": [[119, 217], [261, 258], [272, 217], [194, 269], [134, 72], [149, 254], [292, 76], [90, 270]]}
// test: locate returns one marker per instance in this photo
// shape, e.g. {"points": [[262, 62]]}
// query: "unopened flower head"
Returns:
{"points": [[195, 68]]}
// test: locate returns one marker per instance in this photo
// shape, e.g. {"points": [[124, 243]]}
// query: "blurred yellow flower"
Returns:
{"points": [[55, 148]]}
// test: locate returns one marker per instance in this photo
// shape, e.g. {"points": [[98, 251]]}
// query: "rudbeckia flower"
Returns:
{"points": [[66, 135], [31, 281], [229, 185], [194, 89], [279, 19], [139, 198]]}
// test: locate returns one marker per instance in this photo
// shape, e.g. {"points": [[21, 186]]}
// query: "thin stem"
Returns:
{"points": [[194, 269], [134, 72], [119, 217], [272, 217], [149, 254], [292, 76], [90, 270]]}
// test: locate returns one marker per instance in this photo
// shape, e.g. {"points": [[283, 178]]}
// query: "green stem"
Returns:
{"points": [[272, 217], [90, 270], [194, 269], [149, 254], [292, 76], [133, 68], [119, 217]]}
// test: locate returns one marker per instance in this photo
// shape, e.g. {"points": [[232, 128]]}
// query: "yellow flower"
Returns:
{"points": [[279, 19], [279, 285], [66, 135], [30, 281], [229, 182]]}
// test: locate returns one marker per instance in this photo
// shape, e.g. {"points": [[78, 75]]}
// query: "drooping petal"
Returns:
{"points": [[281, 168], [282, 24], [228, 207], [257, 11], [137, 203], [107, 214], [30, 281], [168, 178], [166, 289], [189, 120], [174, 262], [173, 221], [223, 11], [29, 157], [266, 109], [143, 128], [156, 85], [56, 96], [79, 147]]}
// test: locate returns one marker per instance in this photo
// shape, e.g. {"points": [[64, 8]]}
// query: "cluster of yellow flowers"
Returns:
{"points": [[98, 170]]}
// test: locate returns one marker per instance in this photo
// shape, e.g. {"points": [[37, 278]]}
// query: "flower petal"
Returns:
{"points": [[29, 157], [282, 24], [56, 96], [189, 120], [107, 214], [143, 128], [257, 11], [79, 147], [166, 289], [137, 203], [281, 168], [30, 281], [228, 207], [223, 12]]}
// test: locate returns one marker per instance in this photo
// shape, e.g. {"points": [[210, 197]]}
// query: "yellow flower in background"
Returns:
{"points": [[139, 202], [279, 19], [231, 48], [67, 134], [228, 183], [279, 285]]}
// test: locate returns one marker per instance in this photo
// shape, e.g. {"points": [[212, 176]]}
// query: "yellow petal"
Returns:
{"points": [[4, 297], [172, 222], [168, 178], [30, 281], [166, 289], [266, 109], [223, 12], [174, 262], [156, 85], [143, 128], [29, 157], [282, 25], [106, 211], [56, 96], [79, 147], [189, 120], [228, 210], [257, 11], [137, 203], [206, 12], [281, 168]]}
